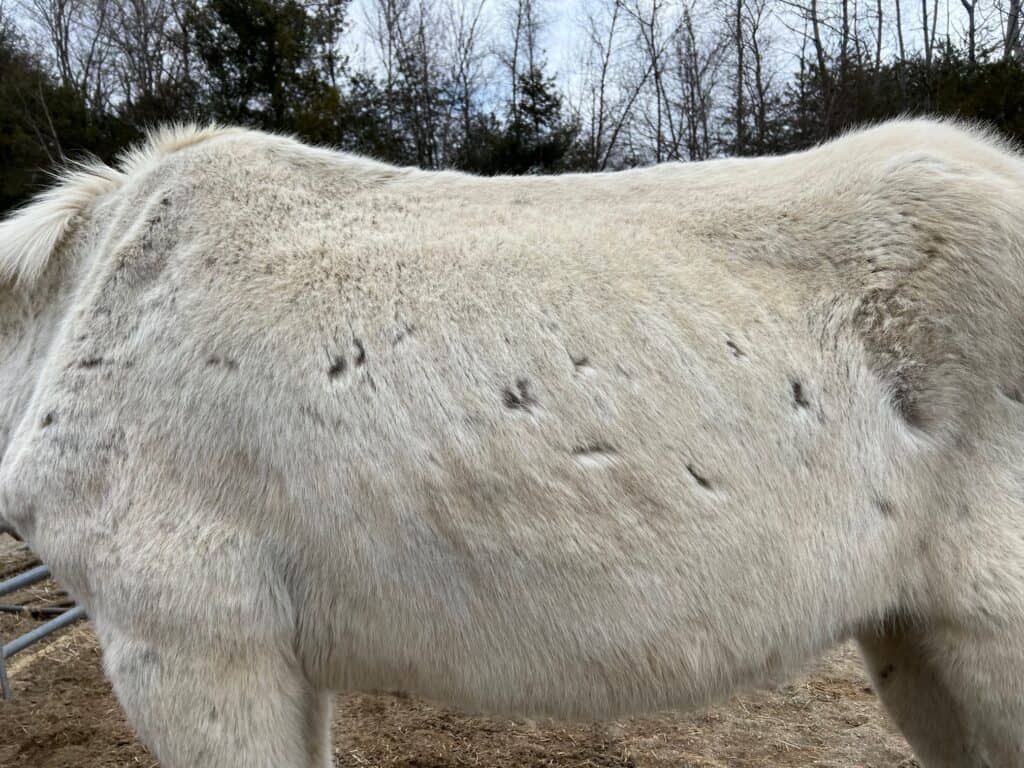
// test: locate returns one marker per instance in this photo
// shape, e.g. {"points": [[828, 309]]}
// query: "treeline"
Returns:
{"points": [[469, 83]]}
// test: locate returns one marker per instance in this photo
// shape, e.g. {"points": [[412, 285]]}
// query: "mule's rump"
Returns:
{"points": [[580, 445]]}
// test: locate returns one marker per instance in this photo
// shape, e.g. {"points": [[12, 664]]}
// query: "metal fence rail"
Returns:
{"points": [[69, 616]]}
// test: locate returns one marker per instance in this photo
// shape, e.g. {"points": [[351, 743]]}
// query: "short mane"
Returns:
{"points": [[30, 235]]}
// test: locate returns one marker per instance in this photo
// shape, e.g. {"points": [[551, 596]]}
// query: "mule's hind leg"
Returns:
{"points": [[318, 729], [958, 699], [208, 707]]}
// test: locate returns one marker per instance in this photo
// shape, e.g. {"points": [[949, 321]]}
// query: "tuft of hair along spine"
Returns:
{"points": [[32, 233]]}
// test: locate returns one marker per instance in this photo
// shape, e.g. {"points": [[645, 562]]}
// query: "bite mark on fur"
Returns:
{"points": [[404, 331], [337, 366], [227, 362], [885, 507], [702, 481], [1013, 393], [799, 396], [581, 363], [596, 454], [519, 397]]}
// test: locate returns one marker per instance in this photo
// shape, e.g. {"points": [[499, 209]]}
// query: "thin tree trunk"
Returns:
{"points": [[1012, 43], [969, 6], [926, 34], [823, 73], [741, 138], [878, 38], [844, 43]]}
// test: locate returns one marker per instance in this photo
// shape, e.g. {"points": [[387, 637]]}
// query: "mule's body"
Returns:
{"points": [[287, 421]]}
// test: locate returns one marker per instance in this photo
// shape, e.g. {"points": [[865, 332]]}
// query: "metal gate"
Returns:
{"points": [[64, 618]]}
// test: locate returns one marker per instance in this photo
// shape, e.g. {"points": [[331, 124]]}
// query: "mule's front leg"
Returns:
{"points": [[219, 706]]}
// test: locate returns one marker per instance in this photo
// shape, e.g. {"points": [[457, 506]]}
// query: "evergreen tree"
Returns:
{"points": [[538, 137], [271, 63]]}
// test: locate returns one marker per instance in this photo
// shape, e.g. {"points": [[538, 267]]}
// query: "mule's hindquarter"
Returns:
{"points": [[563, 446]]}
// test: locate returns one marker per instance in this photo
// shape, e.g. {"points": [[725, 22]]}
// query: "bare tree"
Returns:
{"points": [[521, 51], [758, 42], [699, 63], [740, 79], [467, 57], [139, 35], [76, 31], [824, 77], [607, 96], [656, 25], [408, 37]]}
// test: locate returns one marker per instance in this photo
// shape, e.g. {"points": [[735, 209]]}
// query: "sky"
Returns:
{"points": [[558, 36], [561, 33]]}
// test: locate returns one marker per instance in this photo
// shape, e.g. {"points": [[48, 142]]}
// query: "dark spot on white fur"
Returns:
{"points": [[580, 361], [313, 415], [905, 404], [519, 397], [734, 348], [47, 420], [227, 362], [360, 353], [404, 331], [885, 507], [90, 362], [337, 366], [1013, 393], [799, 396], [702, 481]]}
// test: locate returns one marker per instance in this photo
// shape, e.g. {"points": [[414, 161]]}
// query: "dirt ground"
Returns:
{"points": [[64, 715]]}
